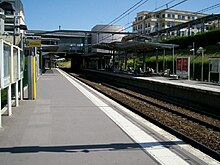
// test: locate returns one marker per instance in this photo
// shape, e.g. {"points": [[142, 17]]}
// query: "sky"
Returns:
{"points": [[85, 14]]}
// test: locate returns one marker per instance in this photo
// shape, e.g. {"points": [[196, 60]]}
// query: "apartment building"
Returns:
{"points": [[149, 22]]}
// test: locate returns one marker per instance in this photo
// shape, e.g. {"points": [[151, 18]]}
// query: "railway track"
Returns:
{"points": [[199, 130], [198, 118]]}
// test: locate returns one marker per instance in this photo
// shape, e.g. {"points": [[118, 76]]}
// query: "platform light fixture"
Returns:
{"points": [[201, 50]]}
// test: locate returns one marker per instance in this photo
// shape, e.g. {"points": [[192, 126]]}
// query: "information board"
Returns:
{"points": [[5, 56], [214, 68], [15, 67], [214, 65], [183, 67]]}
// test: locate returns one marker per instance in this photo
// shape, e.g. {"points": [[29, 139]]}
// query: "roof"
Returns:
{"points": [[134, 46]]}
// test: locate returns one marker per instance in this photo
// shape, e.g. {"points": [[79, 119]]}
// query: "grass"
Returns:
{"points": [[64, 64], [212, 51]]}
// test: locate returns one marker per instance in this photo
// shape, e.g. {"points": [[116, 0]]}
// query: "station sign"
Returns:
{"points": [[33, 43]]}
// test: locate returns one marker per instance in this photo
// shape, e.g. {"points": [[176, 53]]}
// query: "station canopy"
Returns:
{"points": [[134, 43]]}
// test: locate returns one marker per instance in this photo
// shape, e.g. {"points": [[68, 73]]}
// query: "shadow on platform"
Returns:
{"points": [[88, 148]]}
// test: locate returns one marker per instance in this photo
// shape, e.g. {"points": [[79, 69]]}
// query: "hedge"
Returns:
{"points": [[201, 39]]}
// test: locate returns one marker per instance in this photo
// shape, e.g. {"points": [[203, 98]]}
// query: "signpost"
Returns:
{"points": [[32, 66]]}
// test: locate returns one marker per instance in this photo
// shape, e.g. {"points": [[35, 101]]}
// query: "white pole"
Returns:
{"points": [[164, 54], [219, 71], [21, 89], [173, 61], [188, 68], [16, 94], [193, 60], [0, 109], [202, 65], [9, 101]]}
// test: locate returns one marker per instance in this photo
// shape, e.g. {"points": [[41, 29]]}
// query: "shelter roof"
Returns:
{"points": [[134, 46]]}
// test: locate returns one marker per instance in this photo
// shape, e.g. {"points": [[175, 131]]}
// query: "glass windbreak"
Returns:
{"points": [[6, 57], [214, 65], [15, 63]]}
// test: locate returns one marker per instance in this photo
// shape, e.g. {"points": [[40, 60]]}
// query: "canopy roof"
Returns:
{"points": [[134, 46]]}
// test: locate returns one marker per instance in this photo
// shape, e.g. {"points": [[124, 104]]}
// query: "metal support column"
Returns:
{"points": [[113, 58], [144, 63], [157, 65], [21, 89], [193, 60], [0, 109], [164, 54], [173, 61], [202, 65], [126, 61]]}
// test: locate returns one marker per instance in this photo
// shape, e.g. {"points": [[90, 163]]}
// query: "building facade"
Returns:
{"points": [[12, 17], [150, 22]]}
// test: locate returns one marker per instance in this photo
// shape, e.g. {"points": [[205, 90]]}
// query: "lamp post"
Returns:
{"points": [[201, 50]]}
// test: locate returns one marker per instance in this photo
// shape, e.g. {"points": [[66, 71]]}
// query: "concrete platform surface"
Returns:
{"points": [[70, 123]]}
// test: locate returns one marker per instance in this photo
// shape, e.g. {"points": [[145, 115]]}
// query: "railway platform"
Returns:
{"points": [[70, 123]]}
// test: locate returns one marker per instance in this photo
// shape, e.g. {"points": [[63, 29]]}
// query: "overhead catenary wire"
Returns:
{"points": [[165, 5], [209, 8], [138, 4]]}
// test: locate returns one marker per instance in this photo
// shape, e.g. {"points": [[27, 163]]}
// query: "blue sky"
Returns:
{"points": [[84, 14]]}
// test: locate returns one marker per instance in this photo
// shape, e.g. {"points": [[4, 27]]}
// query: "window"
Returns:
{"points": [[173, 15], [179, 16], [139, 27], [163, 15], [140, 18], [183, 17], [169, 15], [146, 25]]}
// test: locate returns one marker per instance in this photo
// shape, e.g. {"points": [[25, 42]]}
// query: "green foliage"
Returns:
{"points": [[201, 39]]}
